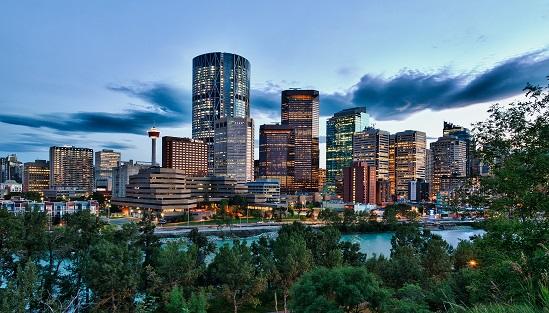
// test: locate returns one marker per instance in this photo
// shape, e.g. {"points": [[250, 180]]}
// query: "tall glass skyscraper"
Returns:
{"points": [[409, 155], [300, 110], [221, 89], [339, 141]]}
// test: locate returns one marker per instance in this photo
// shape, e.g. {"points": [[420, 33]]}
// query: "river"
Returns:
{"points": [[379, 243]]}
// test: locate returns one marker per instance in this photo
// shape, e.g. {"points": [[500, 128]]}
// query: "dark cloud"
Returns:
{"points": [[167, 106], [410, 92]]}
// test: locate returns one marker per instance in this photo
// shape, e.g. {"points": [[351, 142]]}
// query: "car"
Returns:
{"points": [[162, 221]]}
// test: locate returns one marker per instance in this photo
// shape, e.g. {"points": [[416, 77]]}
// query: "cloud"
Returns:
{"points": [[409, 92], [166, 106]]}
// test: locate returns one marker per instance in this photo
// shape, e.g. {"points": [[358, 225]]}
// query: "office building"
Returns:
{"points": [[71, 169], [105, 161], [418, 190], [187, 155], [321, 179], [221, 88], [409, 152], [449, 155], [276, 155], [359, 183], [464, 134], [372, 146], [36, 176], [339, 141], [263, 191], [162, 190], [215, 188], [300, 110], [234, 148], [428, 165], [11, 169], [392, 162], [121, 176]]}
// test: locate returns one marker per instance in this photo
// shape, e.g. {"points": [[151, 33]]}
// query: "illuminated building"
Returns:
{"points": [[187, 155], [234, 148], [105, 161], [215, 188], [162, 190], [392, 161], [372, 146], [359, 183], [462, 133], [276, 155], [409, 159], [418, 190], [36, 176], [321, 179], [300, 110], [221, 88], [339, 141], [71, 168], [263, 191], [449, 160], [428, 165]]}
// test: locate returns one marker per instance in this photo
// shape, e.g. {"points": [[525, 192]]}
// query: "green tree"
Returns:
{"points": [[513, 142], [340, 289], [232, 271]]}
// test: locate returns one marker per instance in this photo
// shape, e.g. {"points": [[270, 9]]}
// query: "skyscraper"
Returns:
{"points": [[36, 176], [462, 133], [300, 110], [372, 146], [359, 183], [71, 168], [339, 141], [11, 169], [105, 161], [392, 163], [187, 155], [221, 88], [276, 155], [409, 159], [234, 148], [449, 155]]}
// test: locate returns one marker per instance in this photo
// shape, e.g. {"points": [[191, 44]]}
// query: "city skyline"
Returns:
{"points": [[86, 86]]}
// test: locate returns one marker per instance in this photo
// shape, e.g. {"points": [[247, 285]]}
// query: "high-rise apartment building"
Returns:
{"points": [[449, 155], [409, 152], [187, 155], [276, 155], [36, 176], [71, 168], [105, 161], [234, 148], [339, 141], [221, 88], [300, 110], [359, 183]]}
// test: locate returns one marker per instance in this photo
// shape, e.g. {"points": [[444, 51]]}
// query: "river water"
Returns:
{"points": [[379, 243]]}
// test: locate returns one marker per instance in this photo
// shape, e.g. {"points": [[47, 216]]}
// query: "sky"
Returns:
{"points": [[100, 73]]}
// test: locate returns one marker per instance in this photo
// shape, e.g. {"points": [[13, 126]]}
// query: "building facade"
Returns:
{"points": [[71, 168], [263, 191], [214, 188], [359, 183], [11, 169], [372, 146], [221, 88], [105, 161], [234, 148], [276, 155], [36, 176], [162, 190], [187, 155], [409, 152], [449, 155], [300, 110], [121, 176], [339, 141]]}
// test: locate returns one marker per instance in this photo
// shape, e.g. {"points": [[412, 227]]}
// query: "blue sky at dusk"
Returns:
{"points": [[99, 73]]}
